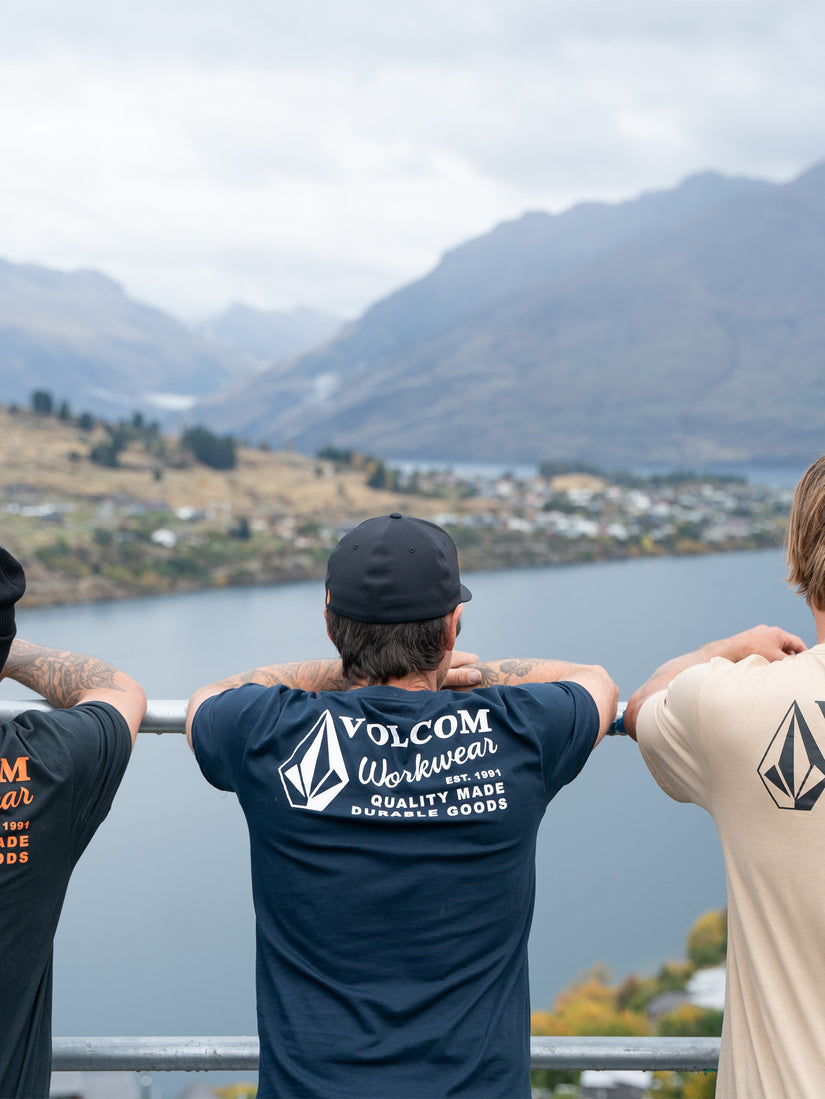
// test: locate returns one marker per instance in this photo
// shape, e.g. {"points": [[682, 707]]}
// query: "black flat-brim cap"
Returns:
{"points": [[395, 568], [12, 587]]}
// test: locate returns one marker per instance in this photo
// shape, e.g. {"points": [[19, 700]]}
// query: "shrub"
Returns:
{"points": [[215, 451]]}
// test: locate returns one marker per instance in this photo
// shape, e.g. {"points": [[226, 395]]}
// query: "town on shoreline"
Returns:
{"points": [[158, 516]]}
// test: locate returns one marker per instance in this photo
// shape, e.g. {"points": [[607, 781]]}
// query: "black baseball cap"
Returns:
{"points": [[12, 587], [394, 569]]}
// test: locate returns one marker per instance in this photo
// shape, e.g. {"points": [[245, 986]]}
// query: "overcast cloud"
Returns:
{"points": [[321, 153]]}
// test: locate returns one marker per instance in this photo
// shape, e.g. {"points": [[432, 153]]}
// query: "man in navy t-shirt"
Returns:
{"points": [[393, 799]]}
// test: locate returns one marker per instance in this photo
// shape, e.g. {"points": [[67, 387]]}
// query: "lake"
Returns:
{"points": [[157, 937]]}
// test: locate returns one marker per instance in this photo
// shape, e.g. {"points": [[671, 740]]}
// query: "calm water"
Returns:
{"points": [[157, 932]]}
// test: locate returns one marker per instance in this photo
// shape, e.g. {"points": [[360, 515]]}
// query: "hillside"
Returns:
{"points": [[106, 511], [86, 532], [80, 337], [270, 335], [665, 330]]}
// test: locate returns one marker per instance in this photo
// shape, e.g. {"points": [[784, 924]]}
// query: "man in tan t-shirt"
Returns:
{"points": [[738, 727]]}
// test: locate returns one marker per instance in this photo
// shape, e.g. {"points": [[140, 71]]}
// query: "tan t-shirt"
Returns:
{"points": [[746, 741]]}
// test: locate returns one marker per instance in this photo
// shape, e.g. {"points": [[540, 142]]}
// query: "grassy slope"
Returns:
{"points": [[101, 548]]}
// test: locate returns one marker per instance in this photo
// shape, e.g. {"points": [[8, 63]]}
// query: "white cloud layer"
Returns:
{"points": [[283, 153]]}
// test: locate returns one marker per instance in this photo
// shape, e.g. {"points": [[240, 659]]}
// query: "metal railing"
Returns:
{"points": [[241, 1054], [168, 715], [205, 1054], [163, 715]]}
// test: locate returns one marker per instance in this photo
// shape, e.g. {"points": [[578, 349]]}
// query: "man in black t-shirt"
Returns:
{"points": [[59, 772]]}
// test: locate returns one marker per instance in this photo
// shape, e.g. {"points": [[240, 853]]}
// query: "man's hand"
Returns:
{"points": [[519, 670], [771, 642], [461, 675]]}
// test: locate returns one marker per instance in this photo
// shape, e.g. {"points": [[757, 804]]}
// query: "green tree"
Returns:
{"points": [[107, 453], [42, 402], [215, 451], [241, 529]]}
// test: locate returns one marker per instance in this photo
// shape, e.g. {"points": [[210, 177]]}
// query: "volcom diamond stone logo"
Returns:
{"points": [[793, 768], [315, 773]]}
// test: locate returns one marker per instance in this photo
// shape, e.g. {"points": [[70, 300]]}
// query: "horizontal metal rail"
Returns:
{"points": [[241, 1054], [163, 715]]}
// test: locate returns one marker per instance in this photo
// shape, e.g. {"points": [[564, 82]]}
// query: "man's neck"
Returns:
{"points": [[819, 619], [416, 681]]}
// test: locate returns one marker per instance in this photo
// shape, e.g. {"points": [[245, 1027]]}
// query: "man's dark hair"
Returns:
{"points": [[378, 651]]}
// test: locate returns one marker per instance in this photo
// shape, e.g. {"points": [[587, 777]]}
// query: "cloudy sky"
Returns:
{"points": [[322, 152]]}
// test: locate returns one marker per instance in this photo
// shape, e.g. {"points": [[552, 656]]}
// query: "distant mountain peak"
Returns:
{"points": [[658, 329]]}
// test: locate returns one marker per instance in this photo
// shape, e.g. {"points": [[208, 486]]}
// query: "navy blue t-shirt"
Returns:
{"points": [[392, 839]]}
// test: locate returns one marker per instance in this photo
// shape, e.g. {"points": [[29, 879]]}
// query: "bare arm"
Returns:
{"points": [[592, 677], [67, 678], [771, 642]]}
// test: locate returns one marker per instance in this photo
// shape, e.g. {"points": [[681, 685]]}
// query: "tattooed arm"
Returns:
{"points": [[316, 675], [592, 677], [305, 675], [66, 679]]}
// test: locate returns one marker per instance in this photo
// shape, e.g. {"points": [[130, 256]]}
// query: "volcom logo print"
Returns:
{"points": [[315, 773], [793, 767], [402, 772]]}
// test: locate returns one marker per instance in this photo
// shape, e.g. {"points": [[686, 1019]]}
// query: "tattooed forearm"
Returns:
{"points": [[305, 675], [316, 675], [524, 670], [508, 671], [60, 676]]}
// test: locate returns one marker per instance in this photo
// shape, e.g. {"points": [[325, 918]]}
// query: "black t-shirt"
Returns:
{"points": [[59, 772]]}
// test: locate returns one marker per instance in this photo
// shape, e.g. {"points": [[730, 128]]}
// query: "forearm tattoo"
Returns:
{"points": [[58, 675], [505, 671], [305, 675]]}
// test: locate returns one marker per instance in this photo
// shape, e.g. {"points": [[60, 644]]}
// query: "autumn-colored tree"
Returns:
{"points": [[591, 1006], [690, 1021], [707, 942], [637, 992], [237, 1091], [689, 1085], [587, 1007]]}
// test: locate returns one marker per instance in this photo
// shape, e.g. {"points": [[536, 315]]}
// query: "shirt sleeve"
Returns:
{"points": [[97, 739], [221, 730], [668, 730], [565, 719]]}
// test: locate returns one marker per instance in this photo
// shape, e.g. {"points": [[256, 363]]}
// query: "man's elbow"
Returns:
{"points": [[138, 695], [192, 707], [631, 713], [607, 684], [605, 693]]}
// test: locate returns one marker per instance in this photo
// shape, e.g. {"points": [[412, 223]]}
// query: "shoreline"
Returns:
{"points": [[88, 532], [45, 592]]}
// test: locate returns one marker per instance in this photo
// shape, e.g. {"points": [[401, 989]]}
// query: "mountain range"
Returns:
{"points": [[682, 327], [79, 336]]}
